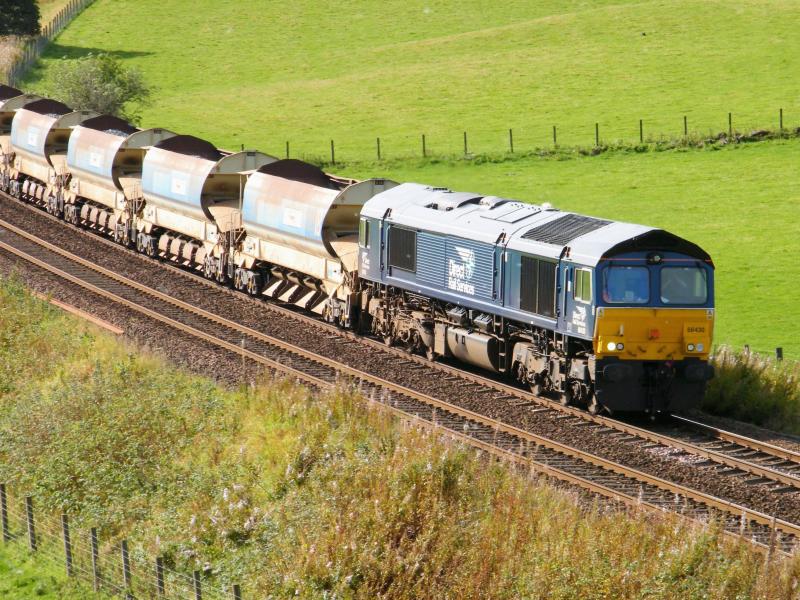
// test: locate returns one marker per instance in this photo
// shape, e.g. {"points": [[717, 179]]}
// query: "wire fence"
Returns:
{"points": [[546, 140], [34, 46], [106, 563]]}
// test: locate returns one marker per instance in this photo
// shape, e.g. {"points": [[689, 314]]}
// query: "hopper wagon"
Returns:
{"points": [[104, 157]]}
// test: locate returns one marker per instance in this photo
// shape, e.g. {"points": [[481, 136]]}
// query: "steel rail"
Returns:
{"points": [[519, 436], [515, 395], [740, 440]]}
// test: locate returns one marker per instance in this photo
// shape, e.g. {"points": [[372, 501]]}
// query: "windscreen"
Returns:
{"points": [[684, 285], [626, 285]]}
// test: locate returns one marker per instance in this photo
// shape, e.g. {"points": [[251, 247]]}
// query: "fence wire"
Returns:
{"points": [[100, 564]]}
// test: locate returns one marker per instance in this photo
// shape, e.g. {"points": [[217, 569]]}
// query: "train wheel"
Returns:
{"points": [[208, 268], [594, 407], [565, 397], [254, 285]]}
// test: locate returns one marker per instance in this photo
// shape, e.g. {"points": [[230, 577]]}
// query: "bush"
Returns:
{"points": [[100, 83], [20, 17], [756, 389]]}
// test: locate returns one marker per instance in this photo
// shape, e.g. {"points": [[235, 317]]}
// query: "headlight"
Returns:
{"points": [[611, 346], [620, 346], [699, 347], [690, 347]]}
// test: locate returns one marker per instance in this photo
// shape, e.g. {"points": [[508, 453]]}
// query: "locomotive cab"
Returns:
{"points": [[654, 320]]}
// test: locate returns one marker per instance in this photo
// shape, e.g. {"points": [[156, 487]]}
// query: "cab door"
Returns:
{"points": [[579, 313]]}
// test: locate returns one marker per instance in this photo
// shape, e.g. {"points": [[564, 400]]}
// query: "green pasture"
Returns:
{"points": [[24, 575], [261, 73], [740, 203]]}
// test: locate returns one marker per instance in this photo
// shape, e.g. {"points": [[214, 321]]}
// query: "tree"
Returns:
{"points": [[100, 82], [20, 17]]}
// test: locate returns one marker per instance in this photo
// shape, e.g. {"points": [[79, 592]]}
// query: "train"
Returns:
{"points": [[606, 315]]}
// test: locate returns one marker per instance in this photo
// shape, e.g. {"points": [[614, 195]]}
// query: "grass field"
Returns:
{"points": [[353, 70], [262, 73], [306, 496], [23, 576]]}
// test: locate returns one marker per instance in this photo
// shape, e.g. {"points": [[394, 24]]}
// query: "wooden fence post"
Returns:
{"points": [[685, 126], [780, 119], [597, 134], [779, 353], [95, 559], [160, 577], [333, 154], [31, 525], [4, 513], [378, 143], [511, 140], [555, 140], [237, 592], [126, 569], [67, 543], [730, 125], [465, 144], [641, 131], [287, 149], [198, 590], [424, 150]]}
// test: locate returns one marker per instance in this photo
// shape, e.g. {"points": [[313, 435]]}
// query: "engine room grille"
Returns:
{"points": [[403, 249], [537, 286], [564, 229]]}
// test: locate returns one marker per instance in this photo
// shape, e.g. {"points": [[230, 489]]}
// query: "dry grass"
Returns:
{"points": [[10, 47], [757, 389]]}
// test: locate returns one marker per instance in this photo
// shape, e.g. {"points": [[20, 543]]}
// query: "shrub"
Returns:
{"points": [[100, 82], [757, 389], [20, 17]]}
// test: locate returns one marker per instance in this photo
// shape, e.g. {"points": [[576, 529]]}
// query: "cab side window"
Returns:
{"points": [[363, 233], [583, 285]]}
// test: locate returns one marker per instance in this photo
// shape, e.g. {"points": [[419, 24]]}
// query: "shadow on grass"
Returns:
{"points": [[64, 51], [55, 50]]}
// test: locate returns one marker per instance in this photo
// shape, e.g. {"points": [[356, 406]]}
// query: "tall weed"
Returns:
{"points": [[756, 389]]}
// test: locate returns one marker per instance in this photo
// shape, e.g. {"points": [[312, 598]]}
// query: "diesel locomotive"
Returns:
{"points": [[608, 315]]}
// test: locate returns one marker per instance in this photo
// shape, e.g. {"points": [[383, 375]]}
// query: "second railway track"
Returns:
{"points": [[560, 461]]}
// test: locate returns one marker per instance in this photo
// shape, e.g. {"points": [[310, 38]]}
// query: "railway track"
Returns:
{"points": [[540, 454], [748, 461]]}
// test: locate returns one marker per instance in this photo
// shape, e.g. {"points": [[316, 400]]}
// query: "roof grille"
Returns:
{"points": [[564, 229]]}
